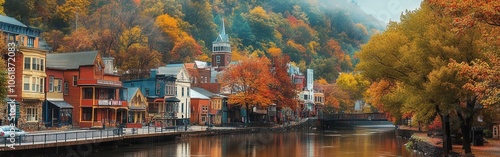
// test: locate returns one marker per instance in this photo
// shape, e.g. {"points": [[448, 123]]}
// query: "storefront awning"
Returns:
{"points": [[172, 99], [61, 104]]}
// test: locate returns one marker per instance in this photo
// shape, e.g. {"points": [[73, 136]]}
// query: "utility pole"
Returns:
{"points": [[76, 19]]}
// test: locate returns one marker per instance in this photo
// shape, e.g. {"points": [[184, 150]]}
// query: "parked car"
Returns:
{"points": [[6, 130]]}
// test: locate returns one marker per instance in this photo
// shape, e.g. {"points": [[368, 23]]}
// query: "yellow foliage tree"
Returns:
{"points": [[71, 8], [274, 51]]}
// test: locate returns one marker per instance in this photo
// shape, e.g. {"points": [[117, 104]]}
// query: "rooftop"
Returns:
{"points": [[71, 60]]}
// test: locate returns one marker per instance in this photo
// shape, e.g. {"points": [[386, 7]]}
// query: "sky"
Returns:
{"points": [[387, 10]]}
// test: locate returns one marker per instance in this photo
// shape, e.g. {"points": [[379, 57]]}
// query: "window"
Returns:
{"points": [[57, 85], [182, 91], [75, 80], [305, 97], [217, 59], [86, 113], [34, 86], [51, 83], [34, 64], [42, 65], [27, 63], [176, 91], [169, 88], [26, 83], [31, 41], [31, 114], [87, 93], [40, 84], [66, 87], [158, 88], [182, 107], [187, 91], [206, 79]]}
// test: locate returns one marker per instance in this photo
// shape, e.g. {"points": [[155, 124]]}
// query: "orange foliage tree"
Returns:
{"points": [[249, 82], [78, 40], [283, 88], [468, 12]]}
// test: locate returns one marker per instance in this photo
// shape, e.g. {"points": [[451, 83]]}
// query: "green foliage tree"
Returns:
{"points": [[198, 14]]}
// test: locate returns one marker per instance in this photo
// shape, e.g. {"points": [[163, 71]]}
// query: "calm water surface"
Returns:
{"points": [[360, 142]]}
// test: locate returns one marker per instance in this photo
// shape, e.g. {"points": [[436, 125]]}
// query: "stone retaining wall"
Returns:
{"points": [[425, 147]]}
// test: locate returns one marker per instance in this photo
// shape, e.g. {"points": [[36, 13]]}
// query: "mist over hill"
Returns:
{"points": [[320, 34]]}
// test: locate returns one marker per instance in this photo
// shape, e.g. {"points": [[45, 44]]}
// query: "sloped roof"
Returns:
{"points": [[169, 70], [71, 60], [203, 92], [200, 64], [175, 65], [190, 65], [10, 20], [197, 95], [130, 93]]}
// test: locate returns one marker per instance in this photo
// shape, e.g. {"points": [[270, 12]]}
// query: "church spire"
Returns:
{"points": [[222, 37]]}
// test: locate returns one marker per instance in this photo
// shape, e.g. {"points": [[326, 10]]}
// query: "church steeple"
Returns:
{"points": [[221, 49], [222, 37]]}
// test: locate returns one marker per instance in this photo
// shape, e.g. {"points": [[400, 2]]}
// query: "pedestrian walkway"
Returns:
{"points": [[56, 136]]}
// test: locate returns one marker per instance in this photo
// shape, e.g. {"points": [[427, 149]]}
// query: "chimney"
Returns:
{"points": [[108, 65], [152, 73]]}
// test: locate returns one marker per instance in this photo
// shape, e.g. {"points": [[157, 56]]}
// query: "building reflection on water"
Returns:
{"points": [[358, 143]]}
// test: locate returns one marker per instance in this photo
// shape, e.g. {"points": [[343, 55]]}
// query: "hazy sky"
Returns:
{"points": [[386, 10]]}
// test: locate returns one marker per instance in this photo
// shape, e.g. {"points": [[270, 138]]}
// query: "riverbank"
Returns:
{"points": [[84, 142], [432, 146]]}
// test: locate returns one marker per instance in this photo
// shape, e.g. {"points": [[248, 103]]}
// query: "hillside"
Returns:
{"points": [[143, 34]]}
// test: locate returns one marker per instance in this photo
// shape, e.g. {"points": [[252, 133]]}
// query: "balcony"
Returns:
{"points": [[104, 103], [100, 82]]}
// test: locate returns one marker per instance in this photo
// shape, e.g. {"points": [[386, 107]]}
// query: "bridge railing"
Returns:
{"points": [[354, 116]]}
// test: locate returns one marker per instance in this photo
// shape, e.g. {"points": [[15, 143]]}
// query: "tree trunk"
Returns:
{"points": [[446, 148], [466, 130], [247, 120], [465, 126], [448, 133]]}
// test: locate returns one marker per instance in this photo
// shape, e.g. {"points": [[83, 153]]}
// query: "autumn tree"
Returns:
{"points": [[139, 59], [468, 12], [78, 40], [54, 38], [413, 56], [72, 8], [283, 88], [1, 7], [354, 85], [249, 82], [186, 50]]}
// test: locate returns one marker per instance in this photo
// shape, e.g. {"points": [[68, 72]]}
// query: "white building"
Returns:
{"points": [[182, 89]]}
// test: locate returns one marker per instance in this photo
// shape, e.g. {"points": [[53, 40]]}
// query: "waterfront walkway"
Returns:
{"points": [[53, 138]]}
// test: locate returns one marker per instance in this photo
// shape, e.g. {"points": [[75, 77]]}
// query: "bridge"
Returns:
{"points": [[353, 119]]}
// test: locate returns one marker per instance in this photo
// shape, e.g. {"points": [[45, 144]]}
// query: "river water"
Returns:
{"points": [[359, 142]]}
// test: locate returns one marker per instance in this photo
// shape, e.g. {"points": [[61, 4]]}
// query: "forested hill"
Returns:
{"points": [[143, 34]]}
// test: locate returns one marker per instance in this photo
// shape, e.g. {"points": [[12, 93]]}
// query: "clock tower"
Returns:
{"points": [[221, 50]]}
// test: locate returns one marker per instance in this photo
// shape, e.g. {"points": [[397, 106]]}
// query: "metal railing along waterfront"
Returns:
{"points": [[354, 116], [78, 135]]}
